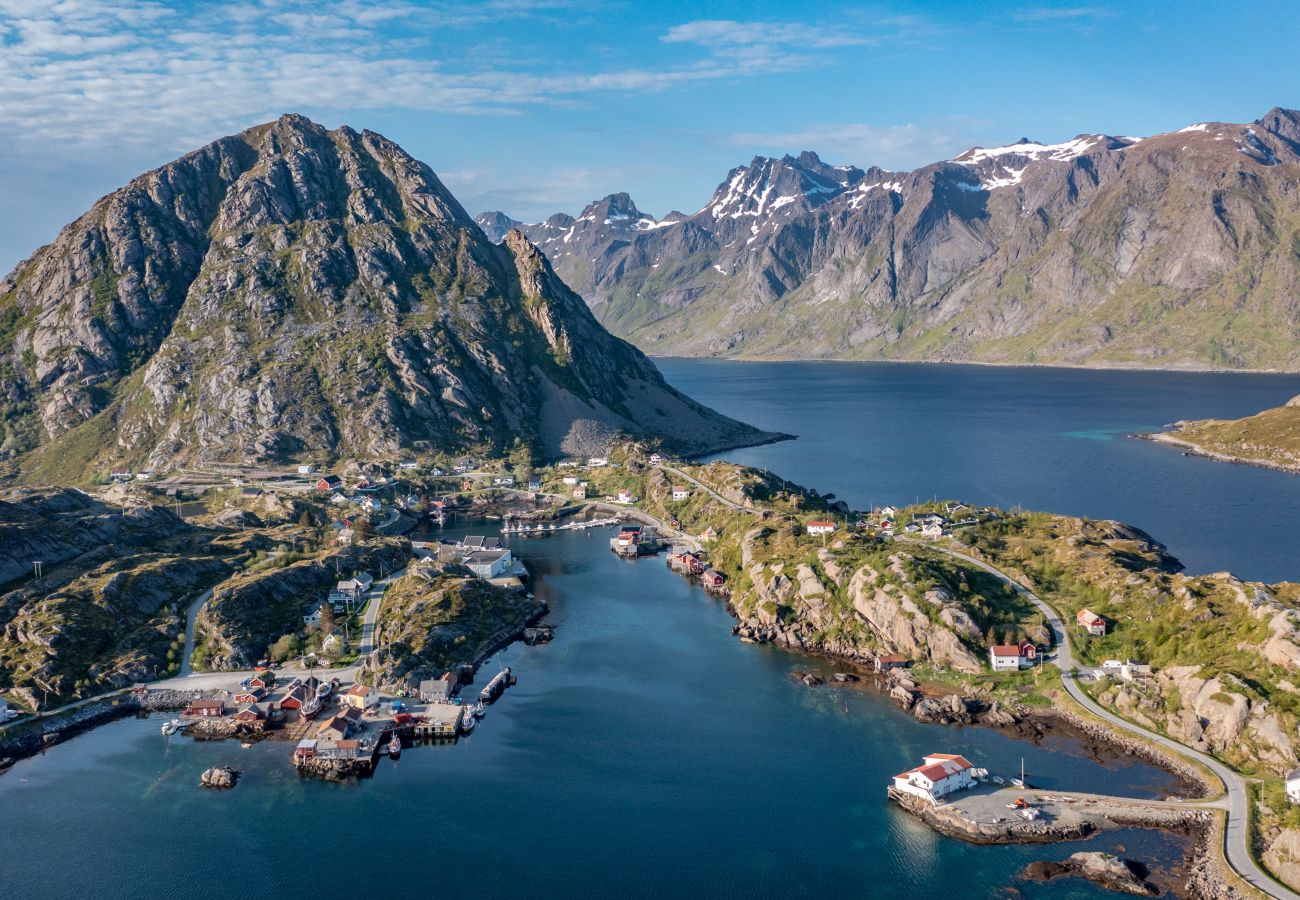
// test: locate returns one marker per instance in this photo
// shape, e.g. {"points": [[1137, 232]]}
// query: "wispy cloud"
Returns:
{"points": [[1062, 13], [888, 146]]}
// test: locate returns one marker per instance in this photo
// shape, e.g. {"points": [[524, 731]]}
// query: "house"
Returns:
{"points": [[655, 459], [712, 578], [480, 543], [886, 524], [306, 749], [940, 774], [681, 493], [408, 464], [263, 680], [345, 537], [488, 563], [628, 535], [335, 729], [1028, 651], [361, 696], [1005, 658], [820, 527], [466, 484], [596, 462], [891, 661], [144, 476], [439, 690], [1293, 785], [931, 530], [580, 492], [1090, 622], [337, 749], [328, 483], [332, 641], [534, 484], [120, 474], [249, 695], [370, 504], [888, 512], [625, 496], [1132, 671], [250, 712], [570, 479], [339, 499], [208, 709], [295, 698], [306, 469]]}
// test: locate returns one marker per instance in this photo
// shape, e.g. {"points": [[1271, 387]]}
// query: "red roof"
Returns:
{"points": [[953, 757], [1005, 650], [828, 524]]}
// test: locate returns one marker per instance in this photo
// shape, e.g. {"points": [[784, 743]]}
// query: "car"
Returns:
{"points": [[10, 714]]}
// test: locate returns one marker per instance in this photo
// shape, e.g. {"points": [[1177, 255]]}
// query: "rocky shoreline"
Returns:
{"points": [[1191, 449]]}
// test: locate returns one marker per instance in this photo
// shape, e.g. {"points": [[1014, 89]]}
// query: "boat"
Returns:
{"points": [[479, 710], [467, 724], [311, 707], [997, 779], [395, 746], [1018, 782], [171, 727], [323, 690]]}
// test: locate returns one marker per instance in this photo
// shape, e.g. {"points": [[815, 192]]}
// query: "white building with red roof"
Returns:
{"points": [[939, 775]]}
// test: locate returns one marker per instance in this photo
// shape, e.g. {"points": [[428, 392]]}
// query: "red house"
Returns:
{"points": [[713, 578], [252, 695], [250, 713], [1090, 622], [262, 680], [208, 709], [1028, 650], [329, 483], [294, 699]]}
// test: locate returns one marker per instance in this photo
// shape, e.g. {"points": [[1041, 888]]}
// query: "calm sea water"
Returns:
{"points": [[1049, 439], [644, 753]]}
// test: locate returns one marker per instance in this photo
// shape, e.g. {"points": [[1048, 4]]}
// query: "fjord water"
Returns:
{"points": [[645, 752], [1047, 439]]}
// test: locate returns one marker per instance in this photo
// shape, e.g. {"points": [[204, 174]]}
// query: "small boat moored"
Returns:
{"points": [[395, 746]]}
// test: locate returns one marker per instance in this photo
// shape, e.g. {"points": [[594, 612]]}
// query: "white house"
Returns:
{"points": [[681, 493], [821, 527], [1293, 785], [888, 512], [941, 774], [932, 530], [597, 461], [1005, 657], [655, 459], [408, 464], [488, 563], [339, 499], [306, 469], [625, 496], [570, 479]]}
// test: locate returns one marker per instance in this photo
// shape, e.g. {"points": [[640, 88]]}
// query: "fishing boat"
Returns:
{"points": [[395, 746], [311, 707], [171, 727], [478, 709], [467, 724], [997, 779], [323, 690], [1020, 782]]}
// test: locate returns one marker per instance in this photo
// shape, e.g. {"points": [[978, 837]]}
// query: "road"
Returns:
{"points": [[708, 490], [191, 618], [1237, 834]]}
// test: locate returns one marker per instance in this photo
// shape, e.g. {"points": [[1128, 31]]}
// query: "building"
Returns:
{"points": [[931, 530], [1132, 671], [250, 712], [480, 543], [1293, 785], [940, 774], [120, 474], [712, 578], [655, 459], [408, 464], [264, 680], [328, 483], [361, 696], [820, 527], [596, 462], [306, 470], [1005, 658], [250, 695], [208, 709], [1028, 651], [891, 661], [488, 563], [625, 496], [681, 493], [534, 484], [888, 512], [295, 698], [1090, 622], [439, 690], [335, 729], [580, 492], [570, 480]]}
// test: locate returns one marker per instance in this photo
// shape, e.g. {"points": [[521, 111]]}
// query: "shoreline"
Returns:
{"points": [[1115, 367], [1193, 449]]}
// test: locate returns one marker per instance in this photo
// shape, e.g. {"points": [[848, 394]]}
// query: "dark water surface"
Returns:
{"points": [[1049, 439], [644, 753]]}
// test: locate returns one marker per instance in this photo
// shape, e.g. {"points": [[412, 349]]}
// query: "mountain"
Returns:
{"points": [[291, 291], [1175, 250]]}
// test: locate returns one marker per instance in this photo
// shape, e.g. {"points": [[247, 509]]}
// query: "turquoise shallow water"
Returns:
{"points": [[645, 752]]}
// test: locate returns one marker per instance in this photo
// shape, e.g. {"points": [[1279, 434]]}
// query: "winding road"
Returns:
{"points": [[1237, 833]]}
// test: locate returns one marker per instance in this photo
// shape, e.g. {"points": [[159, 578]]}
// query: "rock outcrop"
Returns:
{"points": [[221, 777]]}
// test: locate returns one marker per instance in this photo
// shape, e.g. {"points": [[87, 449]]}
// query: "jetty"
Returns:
{"points": [[540, 529]]}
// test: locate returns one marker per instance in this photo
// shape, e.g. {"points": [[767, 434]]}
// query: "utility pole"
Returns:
{"points": [[37, 567]]}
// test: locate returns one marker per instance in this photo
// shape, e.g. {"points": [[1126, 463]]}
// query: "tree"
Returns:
{"points": [[364, 528], [327, 623], [287, 647], [305, 519], [991, 638]]}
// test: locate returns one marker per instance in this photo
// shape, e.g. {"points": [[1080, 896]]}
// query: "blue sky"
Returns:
{"points": [[538, 106]]}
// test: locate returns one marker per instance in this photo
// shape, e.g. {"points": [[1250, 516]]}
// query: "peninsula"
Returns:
{"points": [[1270, 439]]}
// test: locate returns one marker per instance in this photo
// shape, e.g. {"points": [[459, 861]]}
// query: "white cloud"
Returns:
{"points": [[1062, 13], [888, 146]]}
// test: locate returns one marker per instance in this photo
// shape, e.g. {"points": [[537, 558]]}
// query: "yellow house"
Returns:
{"points": [[361, 696]]}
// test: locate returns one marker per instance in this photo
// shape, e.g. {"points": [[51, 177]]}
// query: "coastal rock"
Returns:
{"points": [[1103, 869], [219, 777], [1283, 856]]}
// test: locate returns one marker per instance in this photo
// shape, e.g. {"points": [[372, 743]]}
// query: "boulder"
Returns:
{"points": [[219, 777]]}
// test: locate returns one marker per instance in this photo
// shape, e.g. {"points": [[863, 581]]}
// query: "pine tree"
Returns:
{"points": [[326, 618], [991, 638]]}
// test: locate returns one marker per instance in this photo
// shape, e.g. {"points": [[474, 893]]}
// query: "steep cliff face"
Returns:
{"points": [[295, 290], [1174, 250]]}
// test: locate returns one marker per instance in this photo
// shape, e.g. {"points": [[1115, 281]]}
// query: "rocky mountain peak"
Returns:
{"points": [[294, 291], [495, 224]]}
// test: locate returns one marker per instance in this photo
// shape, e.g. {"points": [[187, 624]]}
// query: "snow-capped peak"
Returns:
{"points": [[769, 184]]}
